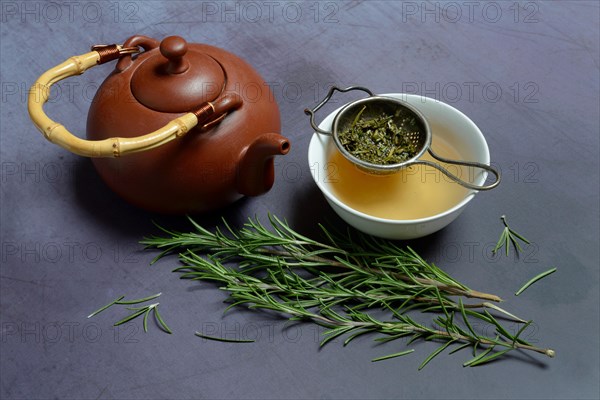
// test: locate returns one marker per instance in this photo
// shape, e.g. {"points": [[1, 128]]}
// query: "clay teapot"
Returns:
{"points": [[170, 130]]}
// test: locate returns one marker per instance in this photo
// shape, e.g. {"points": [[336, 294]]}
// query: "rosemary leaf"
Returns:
{"points": [[503, 311], [475, 345], [520, 237], [499, 328], [465, 319], [161, 321], [479, 356], [462, 346], [392, 337], [402, 353], [137, 301], [333, 333], [519, 332], [535, 279], [146, 320], [136, 308], [98, 311], [501, 241], [130, 317], [220, 339], [493, 356], [434, 354], [358, 333]]}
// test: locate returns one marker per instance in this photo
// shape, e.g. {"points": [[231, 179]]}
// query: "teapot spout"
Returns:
{"points": [[256, 172]]}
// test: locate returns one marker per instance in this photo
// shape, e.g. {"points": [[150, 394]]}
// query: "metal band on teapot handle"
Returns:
{"points": [[112, 147], [312, 112], [455, 178]]}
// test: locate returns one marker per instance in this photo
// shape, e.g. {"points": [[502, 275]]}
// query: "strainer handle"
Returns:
{"points": [[455, 178], [312, 112]]}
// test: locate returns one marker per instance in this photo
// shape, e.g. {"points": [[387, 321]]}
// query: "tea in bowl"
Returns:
{"points": [[414, 201]]}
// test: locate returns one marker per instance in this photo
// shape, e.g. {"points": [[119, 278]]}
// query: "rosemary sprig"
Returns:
{"points": [[362, 256], [252, 292], [145, 311], [508, 237], [337, 283], [534, 280]]}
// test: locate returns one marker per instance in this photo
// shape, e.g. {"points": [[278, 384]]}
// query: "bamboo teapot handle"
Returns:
{"points": [[116, 146]]}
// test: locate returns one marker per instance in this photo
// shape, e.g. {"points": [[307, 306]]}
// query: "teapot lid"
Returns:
{"points": [[178, 79]]}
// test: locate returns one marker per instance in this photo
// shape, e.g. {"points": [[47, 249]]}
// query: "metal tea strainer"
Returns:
{"points": [[421, 137]]}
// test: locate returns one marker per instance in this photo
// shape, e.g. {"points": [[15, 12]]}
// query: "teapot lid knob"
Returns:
{"points": [[174, 48], [177, 77]]}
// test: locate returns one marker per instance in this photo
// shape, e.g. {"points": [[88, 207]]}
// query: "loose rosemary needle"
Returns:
{"points": [[534, 280], [341, 284], [221, 339]]}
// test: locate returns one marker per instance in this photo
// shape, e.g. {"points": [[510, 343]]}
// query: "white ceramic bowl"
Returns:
{"points": [[458, 129]]}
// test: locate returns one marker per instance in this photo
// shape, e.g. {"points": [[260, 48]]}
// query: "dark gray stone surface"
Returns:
{"points": [[526, 72]]}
